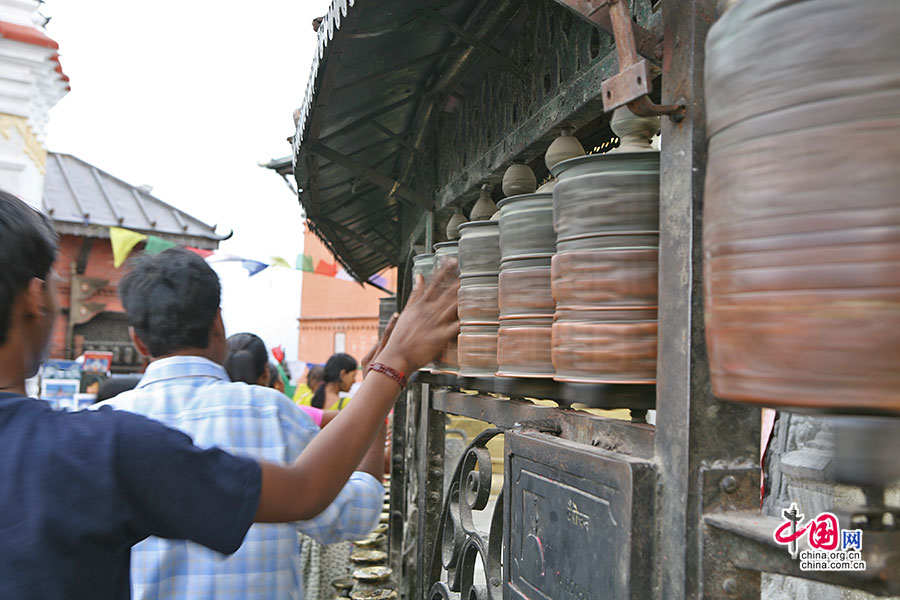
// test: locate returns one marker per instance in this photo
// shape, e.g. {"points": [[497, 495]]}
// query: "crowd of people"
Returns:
{"points": [[196, 482]]}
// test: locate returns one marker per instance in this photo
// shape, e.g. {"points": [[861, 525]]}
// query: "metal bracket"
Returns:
{"points": [[722, 490], [631, 85]]}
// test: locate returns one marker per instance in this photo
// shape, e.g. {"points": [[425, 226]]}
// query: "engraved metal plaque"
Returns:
{"points": [[577, 521]]}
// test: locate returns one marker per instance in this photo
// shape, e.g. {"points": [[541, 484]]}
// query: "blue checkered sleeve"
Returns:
{"points": [[352, 515]]}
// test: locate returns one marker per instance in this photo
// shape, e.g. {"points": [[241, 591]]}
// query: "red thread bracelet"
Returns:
{"points": [[391, 372]]}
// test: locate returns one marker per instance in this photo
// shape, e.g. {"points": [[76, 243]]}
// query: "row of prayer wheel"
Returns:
{"points": [[562, 282], [801, 227]]}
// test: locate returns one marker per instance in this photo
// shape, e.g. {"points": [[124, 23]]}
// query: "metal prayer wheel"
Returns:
{"points": [[479, 248], [622, 340], [386, 309], [527, 244], [606, 268], [423, 264], [478, 350], [479, 312], [801, 235], [447, 362], [525, 288], [526, 225]]}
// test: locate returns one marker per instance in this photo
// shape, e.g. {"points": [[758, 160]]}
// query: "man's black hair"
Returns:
{"points": [[171, 300], [27, 249]]}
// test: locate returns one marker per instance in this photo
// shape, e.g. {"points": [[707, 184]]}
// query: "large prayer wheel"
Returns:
{"points": [[801, 233], [605, 271]]}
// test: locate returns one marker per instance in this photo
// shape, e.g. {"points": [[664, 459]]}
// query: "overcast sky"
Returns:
{"points": [[188, 97]]}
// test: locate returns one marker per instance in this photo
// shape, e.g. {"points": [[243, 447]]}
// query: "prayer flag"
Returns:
{"points": [[329, 269], [155, 245], [342, 274], [305, 263], [123, 242], [277, 261], [378, 280], [203, 253], [253, 266]]}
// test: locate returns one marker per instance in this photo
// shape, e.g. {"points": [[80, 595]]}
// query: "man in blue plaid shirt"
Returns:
{"points": [[170, 299]]}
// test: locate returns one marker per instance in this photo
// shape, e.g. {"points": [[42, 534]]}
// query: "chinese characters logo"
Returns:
{"points": [[830, 547]]}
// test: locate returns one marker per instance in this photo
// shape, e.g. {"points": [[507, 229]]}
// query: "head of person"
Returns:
{"points": [[172, 302], [314, 377], [340, 370], [247, 359], [275, 381], [28, 306]]}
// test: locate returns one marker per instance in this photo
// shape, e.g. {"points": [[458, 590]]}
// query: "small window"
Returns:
{"points": [[340, 342]]}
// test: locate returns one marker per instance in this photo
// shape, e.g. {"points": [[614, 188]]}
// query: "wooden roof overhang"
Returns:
{"points": [[411, 106]]}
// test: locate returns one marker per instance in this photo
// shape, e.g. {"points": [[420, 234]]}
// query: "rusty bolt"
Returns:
{"points": [[728, 484], [730, 585], [436, 473], [495, 581], [434, 497]]}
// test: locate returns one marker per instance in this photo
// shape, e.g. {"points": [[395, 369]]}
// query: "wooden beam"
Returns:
{"points": [[394, 136], [479, 43], [370, 115], [396, 68], [394, 187], [355, 235]]}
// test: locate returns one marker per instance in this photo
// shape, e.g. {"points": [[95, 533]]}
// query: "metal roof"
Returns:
{"points": [[83, 200], [375, 71], [396, 91]]}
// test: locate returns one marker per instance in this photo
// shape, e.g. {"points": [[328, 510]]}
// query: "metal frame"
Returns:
{"points": [[687, 489]]}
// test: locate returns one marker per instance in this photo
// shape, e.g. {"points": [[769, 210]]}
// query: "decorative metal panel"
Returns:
{"points": [[575, 521]]}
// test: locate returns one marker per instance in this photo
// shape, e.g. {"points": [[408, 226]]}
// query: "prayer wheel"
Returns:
{"points": [[527, 244], [801, 234], [605, 271], [447, 361], [423, 264], [479, 312]]}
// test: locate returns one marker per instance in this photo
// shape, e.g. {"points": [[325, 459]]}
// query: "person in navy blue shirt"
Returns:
{"points": [[77, 490]]}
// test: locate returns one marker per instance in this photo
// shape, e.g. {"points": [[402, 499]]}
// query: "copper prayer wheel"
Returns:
{"points": [[478, 350], [610, 345], [479, 312], [619, 195], [478, 301], [605, 272], [523, 346], [525, 286], [606, 277], [526, 225], [423, 264], [801, 234], [479, 248], [447, 362]]}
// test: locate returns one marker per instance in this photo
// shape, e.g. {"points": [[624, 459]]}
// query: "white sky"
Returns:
{"points": [[188, 96]]}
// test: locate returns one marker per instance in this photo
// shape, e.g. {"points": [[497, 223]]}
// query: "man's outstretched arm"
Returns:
{"points": [[304, 489]]}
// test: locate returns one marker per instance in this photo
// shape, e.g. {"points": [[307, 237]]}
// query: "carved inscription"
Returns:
{"points": [[576, 517], [572, 588]]}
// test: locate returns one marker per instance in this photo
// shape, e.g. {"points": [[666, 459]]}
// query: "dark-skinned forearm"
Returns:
{"points": [[323, 468]]}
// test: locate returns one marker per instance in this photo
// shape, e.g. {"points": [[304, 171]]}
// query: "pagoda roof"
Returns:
{"points": [[84, 200]]}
